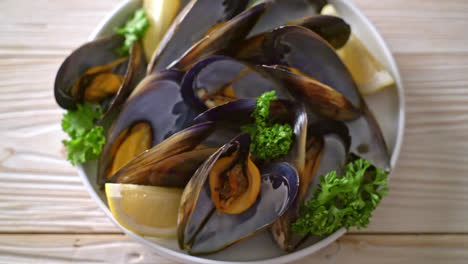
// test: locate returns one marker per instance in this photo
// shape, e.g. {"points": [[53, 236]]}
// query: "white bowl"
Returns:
{"points": [[387, 105]]}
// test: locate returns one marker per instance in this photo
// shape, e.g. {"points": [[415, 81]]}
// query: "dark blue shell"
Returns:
{"points": [[156, 101], [202, 230], [190, 26], [217, 72]]}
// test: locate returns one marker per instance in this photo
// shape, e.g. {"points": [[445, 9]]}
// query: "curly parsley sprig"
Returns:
{"points": [[86, 139], [133, 30], [346, 201], [269, 140]]}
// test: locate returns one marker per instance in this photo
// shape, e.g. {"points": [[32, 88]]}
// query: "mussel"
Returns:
{"points": [[153, 112], [211, 216], [307, 54], [320, 97], [171, 163], [222, 36], [219, 79], [327, 147], [332, 29], [190, 26], [282, 12], [96, 73], [302, 49], [258, 49]]}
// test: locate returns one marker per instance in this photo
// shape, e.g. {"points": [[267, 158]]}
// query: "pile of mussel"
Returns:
{"points": [[176, 121]]}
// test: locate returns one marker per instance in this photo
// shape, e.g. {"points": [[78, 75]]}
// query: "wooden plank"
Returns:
{"points": [[41, 27], [428, 191], [115, 249], [420, 26], [44, 27]]}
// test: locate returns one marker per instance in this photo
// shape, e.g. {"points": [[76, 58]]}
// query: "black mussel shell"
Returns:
{"points": [[321, 98], [222, 36], [331, 28], [201, 230], [211, 76], [302, 49], [171, 163], [190, 26], [282, 12], [155, 101], [99, 53], [328, 144]]}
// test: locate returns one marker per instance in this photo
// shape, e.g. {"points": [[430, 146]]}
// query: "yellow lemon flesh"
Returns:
{"points": [[160, 14], [369, 75], [145, 210]]}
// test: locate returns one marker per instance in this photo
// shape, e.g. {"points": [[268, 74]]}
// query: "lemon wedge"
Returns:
{"points": [[160, 14], [370, 76], [145, 210]]}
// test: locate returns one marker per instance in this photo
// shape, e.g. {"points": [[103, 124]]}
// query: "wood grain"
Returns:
{"points": [[48, 27], [428, 191], [43, 202], [420, 26], [118, 249]]}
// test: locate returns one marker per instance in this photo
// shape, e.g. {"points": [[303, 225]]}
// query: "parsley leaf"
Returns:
{"points": [[343, 201], [133, 30], [86, 140], [269, 140]]}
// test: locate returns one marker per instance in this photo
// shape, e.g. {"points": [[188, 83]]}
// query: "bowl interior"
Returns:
{"points": [[387, 105]]}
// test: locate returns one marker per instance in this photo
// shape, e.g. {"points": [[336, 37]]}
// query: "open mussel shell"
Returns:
{"points": [[311, 57], [320, 97], [217, 80], [328, 144], [136, 71], [306, 52], [155, 102], [189, 27], [302, 49], [171, 163], [202, 230], [222, 36], [282, 12], [255, 49], [99, 54]]}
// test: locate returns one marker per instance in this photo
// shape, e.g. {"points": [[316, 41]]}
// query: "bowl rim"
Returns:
{"points": [[299, 254]]}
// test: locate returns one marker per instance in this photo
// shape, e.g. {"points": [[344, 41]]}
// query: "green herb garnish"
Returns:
{"points": [[86, 140], [343, 201], [133, 30], [269, 140]]}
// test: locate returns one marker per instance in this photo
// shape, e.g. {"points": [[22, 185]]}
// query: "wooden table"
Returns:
{"points": [[47, 215]]}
